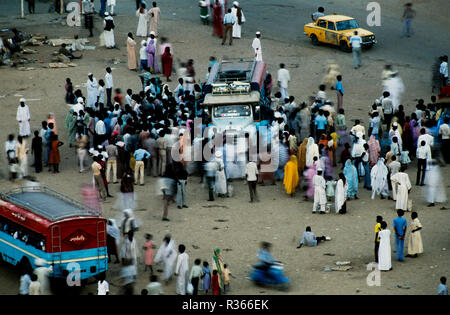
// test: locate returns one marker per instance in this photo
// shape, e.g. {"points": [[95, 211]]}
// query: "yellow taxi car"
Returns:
{"points": [[337, 30]]}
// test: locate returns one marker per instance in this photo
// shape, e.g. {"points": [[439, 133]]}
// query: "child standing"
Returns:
{"points": [[149, 254], [36, 149], [194, 277], [54, 158], [206, 276], [215, 283], [226, 278]]}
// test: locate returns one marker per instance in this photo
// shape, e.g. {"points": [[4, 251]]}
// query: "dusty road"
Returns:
{"points": [[278, 218]]}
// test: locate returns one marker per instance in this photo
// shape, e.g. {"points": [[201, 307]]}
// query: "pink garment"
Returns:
{"points": [[149, 254], [374, 150], [309, 174]]}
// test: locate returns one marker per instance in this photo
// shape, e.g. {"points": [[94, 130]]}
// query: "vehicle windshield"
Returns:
{"points": [[346, 25], [232, 111]]}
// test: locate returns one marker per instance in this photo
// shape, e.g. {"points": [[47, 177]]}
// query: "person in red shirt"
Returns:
{"points": [[215, 283]]}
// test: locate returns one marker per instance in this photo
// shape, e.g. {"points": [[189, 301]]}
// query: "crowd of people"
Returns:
{"points": [[150, 132]]}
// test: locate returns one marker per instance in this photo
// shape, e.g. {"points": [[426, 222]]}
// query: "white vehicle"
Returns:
{"points": [[233, 95]]}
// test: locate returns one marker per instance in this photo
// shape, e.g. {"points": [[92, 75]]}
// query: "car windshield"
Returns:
{"points": [[232, 111], [347, 25]]}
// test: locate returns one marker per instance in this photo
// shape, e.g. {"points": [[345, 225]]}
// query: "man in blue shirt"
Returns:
{"points": [[400, 225], [228, 20], [140, 154], [339, 91], [321, 123]]}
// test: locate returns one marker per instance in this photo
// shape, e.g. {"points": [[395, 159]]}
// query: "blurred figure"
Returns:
{"points": [[112, 240], [434, 185], [154, 287], [408, 15], [167, 254], [43, 273]]}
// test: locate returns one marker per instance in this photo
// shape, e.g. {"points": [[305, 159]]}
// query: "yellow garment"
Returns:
{"points": [[335, 137], [377, 230], [302, 155], [291, 177]]}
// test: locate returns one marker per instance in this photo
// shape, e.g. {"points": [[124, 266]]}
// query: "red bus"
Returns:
{"points": [[38, 222]]}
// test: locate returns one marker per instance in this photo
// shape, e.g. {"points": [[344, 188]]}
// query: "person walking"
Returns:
{"points": [[240, 19], [400, 226], [423, 154], [88, 10], [256, 45], [355, 43], [283, 81], [408, 14], [195, 275], [228, 21], [339, 92], [251, 172], [181, 176]]}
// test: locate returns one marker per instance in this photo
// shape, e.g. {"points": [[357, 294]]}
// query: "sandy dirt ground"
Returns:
{"points": [[232, 224]]}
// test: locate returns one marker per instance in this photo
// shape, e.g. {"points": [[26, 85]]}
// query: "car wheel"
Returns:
{"points": [[344, 47], [314, 40]]}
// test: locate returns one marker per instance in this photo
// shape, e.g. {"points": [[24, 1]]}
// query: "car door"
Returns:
{"points": [[331, 35], [321, 29]]}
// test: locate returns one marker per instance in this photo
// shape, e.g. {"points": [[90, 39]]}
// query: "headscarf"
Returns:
{"points": [[302, 155], [374, 150], [312, 150], [378, 177], [291, 175], [351, 175], [218, 260]]}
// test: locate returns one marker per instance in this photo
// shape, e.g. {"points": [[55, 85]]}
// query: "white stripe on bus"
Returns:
{"points": [[55, 262]]}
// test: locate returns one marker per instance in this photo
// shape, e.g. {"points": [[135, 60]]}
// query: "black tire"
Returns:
{"points": [[314, 40], [344, 47]]}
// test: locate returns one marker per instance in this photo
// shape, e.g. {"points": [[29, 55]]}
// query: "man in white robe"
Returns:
{"points": [[401, 180], [257, 47], [283, 81], [92, 90], [167, 253], [182, 270], [239, 15], [109, 31], [23, 117], [320, 197]]}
